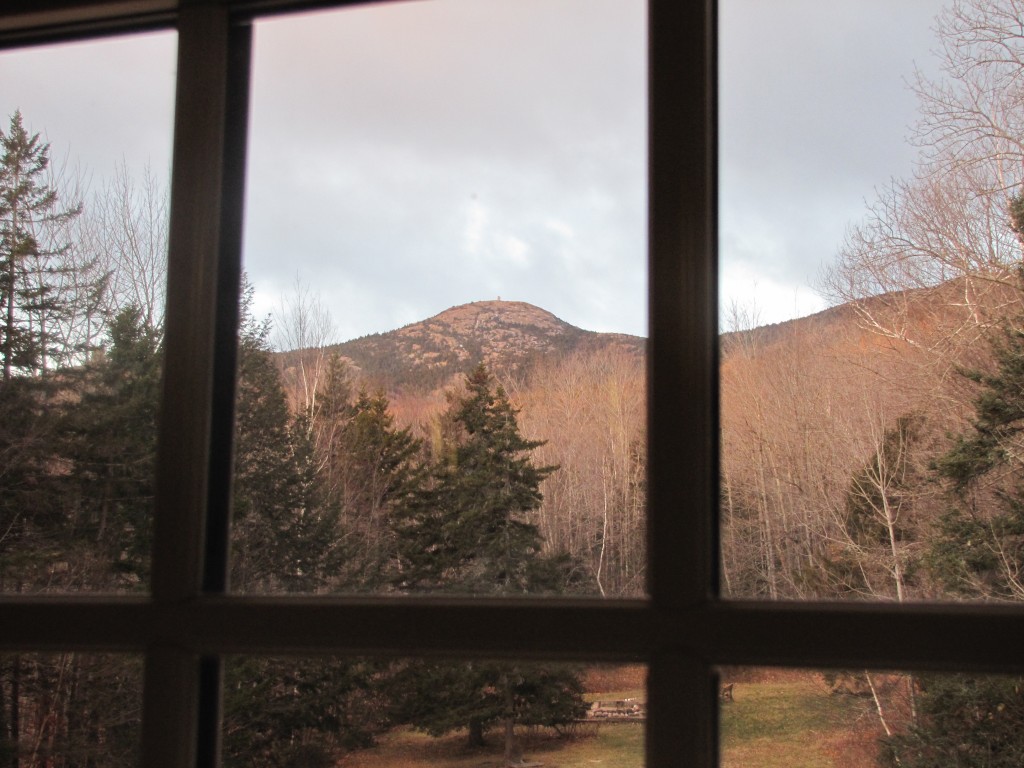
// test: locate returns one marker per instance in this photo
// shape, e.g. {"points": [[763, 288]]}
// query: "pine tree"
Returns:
{"points": [[108, 433], [28, 205], [377, 469], [298, 713], [469, 531], [283, 538], [966, 721], [979, 547], [977, 552]]}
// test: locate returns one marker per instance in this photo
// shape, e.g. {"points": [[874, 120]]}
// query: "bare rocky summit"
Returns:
{"points": [[506, 336]]}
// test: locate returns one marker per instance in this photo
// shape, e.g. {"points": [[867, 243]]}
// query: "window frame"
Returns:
{"points": [[682, 632]]}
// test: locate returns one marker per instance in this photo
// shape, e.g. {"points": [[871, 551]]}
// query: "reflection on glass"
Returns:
{"points": [[786, 717], [83, 231], [871, 451], [414, 712], [70, 709], [467, 198]]}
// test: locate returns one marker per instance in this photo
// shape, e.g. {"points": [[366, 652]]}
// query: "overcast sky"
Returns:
{"points": [[406, 158]]}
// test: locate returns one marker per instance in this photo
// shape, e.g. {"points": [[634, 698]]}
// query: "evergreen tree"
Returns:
{"points": [[878, 557], [298, 713], [283, 538], [469, 531], [28, 205], [979, 547], [379, 472], [977, 552], [108, 433], [966, 721]]}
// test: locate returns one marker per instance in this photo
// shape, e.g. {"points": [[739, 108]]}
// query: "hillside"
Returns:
{"points": [[508, 336]]}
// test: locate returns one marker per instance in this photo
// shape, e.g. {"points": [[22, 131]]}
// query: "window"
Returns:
{"points": [[682, 632]]}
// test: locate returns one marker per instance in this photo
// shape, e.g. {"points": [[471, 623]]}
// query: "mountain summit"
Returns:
{"points": [[505, 335]]}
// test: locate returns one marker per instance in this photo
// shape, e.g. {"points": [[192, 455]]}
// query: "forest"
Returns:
{"points": [[871, 452]]}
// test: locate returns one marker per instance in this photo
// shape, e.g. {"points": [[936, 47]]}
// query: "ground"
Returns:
{"points": [[778, 719]]}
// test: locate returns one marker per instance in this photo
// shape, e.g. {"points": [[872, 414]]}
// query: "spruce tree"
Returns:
{"points": [[283, 538], [109, 434], [378, 468], [979, 547], [298, 713], [469, 531], [977, 552], [28, 206]]}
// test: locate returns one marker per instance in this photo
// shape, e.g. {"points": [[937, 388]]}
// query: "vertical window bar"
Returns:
{"points": [[208, 727], [229, 280], [216, 562], [682, 373], [194, 243], [172, 688]]}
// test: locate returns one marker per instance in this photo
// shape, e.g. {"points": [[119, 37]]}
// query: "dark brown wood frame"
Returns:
{"points": [[682, 632]]}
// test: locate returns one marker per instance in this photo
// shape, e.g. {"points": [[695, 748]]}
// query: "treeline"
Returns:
{"points": [[330, 496], [873, 453]]}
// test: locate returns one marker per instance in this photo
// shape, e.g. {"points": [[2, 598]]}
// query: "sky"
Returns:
{"points": [[409, 157]]}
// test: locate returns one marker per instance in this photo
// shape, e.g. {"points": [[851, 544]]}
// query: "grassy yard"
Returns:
{"points": [[614, 745], [779, 720], [791, 720]]}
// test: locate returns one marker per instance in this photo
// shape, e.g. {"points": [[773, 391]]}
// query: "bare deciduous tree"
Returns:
{"points": [[304, 329]]}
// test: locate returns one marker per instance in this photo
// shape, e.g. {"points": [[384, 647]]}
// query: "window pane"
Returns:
{"points": [[434, 187], [870, 450], [414, 712], [788, 717], [68, 709], [86, 132]]}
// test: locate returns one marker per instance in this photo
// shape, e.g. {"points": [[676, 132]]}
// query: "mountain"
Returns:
{"points": [[508, 336]]}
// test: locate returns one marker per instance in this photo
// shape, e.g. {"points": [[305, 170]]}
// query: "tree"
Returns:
{"points": [[283, 537], [129, 235], [108, 434], [948, 223], [878, 523], [977, 551], [979, 547], [469, 531], [367, 468], [28, 205], [303, 331], [967, 721], [298, 713], [590, 407]]}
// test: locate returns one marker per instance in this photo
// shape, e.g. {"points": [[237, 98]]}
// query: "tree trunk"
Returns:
{"points": [[476, 732], [510, 732], [15, 726], [510, 742]]}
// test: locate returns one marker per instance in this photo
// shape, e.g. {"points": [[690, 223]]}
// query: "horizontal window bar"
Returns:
{"points": [[965, 637]]}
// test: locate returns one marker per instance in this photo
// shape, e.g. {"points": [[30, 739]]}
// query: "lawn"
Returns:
{"points": [[792, 720], [618, 745], [778, 720]]}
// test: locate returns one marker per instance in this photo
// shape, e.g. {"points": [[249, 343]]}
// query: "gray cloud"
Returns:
{"points": [[436, 153], [815, 110], [408, 157]]}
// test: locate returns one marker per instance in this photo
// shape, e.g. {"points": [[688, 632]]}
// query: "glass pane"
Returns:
{"points": [[847, 718], [414, 712], [871, 449], [67, 709], [435, 187], [85, 156]]}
